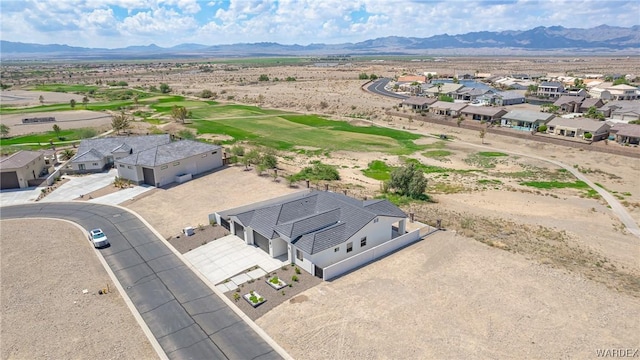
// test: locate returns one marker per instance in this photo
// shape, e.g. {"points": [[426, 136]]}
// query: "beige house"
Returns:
{"points": [[447, 108], [626, 133], [578, 127], [168, 163], [19, 169], [418, 103], [623, 92]]}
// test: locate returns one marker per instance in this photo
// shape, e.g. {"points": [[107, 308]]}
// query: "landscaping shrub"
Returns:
{"points": [[318, 171], [542, 128]]}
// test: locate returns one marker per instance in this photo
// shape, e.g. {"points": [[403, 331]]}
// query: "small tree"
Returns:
{"points": [[67, 154], [587, 135], [373, 77], [408, 180], [164, 88], [120, 122], [4, 130], [85, 101], [269, 161], [72, 103], [363, 76], [459, 120], [263, 77], [41, 99], [206, 94], [179, 113], [253, 157], [237, 150], [483, 133], [56, 129]]}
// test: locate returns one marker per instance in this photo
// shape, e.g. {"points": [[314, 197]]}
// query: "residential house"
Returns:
{"points": [[599, 91], [483, 113], [447, 108], [412, 78], [622, 110], [504, 98], [577, 127], [95, 155], [525, 120], [626, 133], [576, 91], [19, 169], [470, 94], [589, 103], [164, 164], [623, 92], [569, 104], [316, 229], [441, 89], [551, 89], [418, 103]]}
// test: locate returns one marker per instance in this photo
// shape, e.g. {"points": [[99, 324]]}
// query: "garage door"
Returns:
{"points": [[9, 180], [261, 241], [148, 175], [239, 230]]}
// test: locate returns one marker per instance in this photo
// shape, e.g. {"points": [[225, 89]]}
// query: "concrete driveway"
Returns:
{"points": [[228, 258], [18, 196], [80, 185]]}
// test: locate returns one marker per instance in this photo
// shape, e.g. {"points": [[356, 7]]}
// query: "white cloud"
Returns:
{"points": [[169, 22]]}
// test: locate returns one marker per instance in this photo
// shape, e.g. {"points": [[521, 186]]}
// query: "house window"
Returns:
{"points": [[176, 163], [349, 247], [164, 167], [81, 167], [129, 167], [336, 249], [95, 164], [299, 255], [363, 241]]}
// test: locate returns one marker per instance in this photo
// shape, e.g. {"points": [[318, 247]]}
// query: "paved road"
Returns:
{"points": [[189, 320], [377, 87]]}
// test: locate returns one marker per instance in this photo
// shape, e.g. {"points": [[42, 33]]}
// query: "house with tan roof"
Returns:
{"points": [[483, 113], [447, 108], [623, 92], [417, 103], [19, 169], [525, 120], [626, 133], [578, 127]]}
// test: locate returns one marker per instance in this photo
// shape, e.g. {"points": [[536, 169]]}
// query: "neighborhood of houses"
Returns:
{"points": [[327, 233], [587, 109]]}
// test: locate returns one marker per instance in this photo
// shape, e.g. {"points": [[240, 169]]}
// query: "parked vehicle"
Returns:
{"points": [[98, 238]]}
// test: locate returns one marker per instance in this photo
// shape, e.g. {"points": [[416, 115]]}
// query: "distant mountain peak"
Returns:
{"points": [[556, 39]]}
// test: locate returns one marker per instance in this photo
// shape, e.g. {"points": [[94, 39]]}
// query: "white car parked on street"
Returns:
{"points": [[98, 238]]}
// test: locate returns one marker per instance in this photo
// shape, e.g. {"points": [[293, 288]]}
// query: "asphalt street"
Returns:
{"points": [[377, 87], [187, 318]]}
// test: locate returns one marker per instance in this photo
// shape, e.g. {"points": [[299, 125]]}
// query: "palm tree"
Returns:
{"points": [[67, 154]]}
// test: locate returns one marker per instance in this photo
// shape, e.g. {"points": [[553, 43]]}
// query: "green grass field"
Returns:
{"points": [[378, 170], [287, 131], [436, 154], [44, 138], [556, 184]]}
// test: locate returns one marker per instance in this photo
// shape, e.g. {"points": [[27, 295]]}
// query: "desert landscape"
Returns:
{"points": [[520, 270]]}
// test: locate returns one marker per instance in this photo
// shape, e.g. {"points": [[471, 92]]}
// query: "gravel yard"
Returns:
{"points": [[46, 265], [452, 297]]}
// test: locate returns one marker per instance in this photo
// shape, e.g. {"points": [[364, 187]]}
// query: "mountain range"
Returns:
{"points": [[602, 39]]}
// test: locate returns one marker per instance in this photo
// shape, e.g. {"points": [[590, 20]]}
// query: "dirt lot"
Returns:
{"points": [[171, 210], [51, 318], [452, 297], [76, 119]]}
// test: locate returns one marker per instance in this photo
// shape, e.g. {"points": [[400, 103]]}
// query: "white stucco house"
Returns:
{"points": [[317, 229], [164, 164], [95, 155]]}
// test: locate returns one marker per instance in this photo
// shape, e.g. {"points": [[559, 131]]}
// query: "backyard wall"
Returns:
{"points": [[372, 254]]}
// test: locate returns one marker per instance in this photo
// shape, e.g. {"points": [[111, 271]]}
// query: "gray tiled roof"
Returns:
{"points": [[317, 221], [91, 155], [168, 153], [104, 147], [18, 159], [506, 95], [586, 124], [567, 99]]}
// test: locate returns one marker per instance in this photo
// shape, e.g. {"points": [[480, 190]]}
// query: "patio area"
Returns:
{"points": [[225, 262]]}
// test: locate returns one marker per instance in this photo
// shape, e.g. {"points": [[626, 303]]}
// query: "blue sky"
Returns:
{"points": [[120, 23]]}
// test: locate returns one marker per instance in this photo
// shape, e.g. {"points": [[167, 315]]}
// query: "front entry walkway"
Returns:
{"points": [[228, 258]]}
